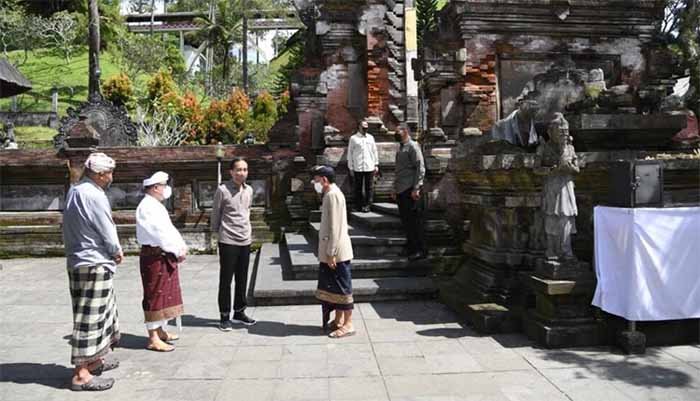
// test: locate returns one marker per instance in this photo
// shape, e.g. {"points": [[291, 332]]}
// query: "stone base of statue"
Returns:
{"points": [[562, 269], [632, 342], [562, 316]]}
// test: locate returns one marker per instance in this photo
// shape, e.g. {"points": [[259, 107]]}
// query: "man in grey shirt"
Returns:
{"points": [[92, 253], [230, 218], [408, 183]]}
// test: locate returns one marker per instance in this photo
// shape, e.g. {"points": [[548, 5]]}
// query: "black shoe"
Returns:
{"points": [[418, 256], [226, 325], [241, 317], [366, 209]]}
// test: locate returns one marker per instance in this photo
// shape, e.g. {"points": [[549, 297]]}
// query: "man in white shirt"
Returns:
{"points": [[363, 163], [162, 248]]}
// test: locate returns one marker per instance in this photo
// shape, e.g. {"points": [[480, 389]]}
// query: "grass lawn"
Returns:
{"points": [[34, 137], [46, 70]]}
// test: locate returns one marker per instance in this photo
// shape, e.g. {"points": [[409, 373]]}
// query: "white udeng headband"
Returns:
{"points": [[99, 163]]}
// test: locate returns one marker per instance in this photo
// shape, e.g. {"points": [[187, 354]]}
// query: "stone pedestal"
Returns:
{"points": [[562, 316], [632, 342]]}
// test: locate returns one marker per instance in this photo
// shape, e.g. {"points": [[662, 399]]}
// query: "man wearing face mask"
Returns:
{"points": [[162, 248], [408, 184], [230, 218], [363, 164], [334, 288]]}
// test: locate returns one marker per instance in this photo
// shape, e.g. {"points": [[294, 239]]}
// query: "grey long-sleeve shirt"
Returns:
{"points": [[410, 167], [230, 214], [89, 233]]}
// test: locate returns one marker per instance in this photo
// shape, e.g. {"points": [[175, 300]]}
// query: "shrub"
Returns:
{"points": [[160, 83], [118, 89]]}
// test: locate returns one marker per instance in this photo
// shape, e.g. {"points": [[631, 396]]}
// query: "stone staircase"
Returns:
{"points": [[286, 273]]}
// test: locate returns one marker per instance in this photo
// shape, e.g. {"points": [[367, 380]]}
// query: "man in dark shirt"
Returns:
{"points": [[408, 183]]}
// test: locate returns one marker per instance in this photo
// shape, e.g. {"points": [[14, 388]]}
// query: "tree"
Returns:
{"points": [[140, 6], [295, 47], [681, 30], [61, 32], [146, 54], [426, 14]]}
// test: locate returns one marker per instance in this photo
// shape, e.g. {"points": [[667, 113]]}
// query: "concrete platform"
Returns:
{"points": [[402, 351]]}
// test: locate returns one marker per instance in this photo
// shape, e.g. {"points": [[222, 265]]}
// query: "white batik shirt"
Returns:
{"points": [[154, 228]]}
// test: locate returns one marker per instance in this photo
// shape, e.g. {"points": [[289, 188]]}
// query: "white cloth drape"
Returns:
{"points": [[648, 262]]}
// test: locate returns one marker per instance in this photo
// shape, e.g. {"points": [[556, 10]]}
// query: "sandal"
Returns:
{"points": [[106, 366], [96, 384], [341, 332], [157, 349]]}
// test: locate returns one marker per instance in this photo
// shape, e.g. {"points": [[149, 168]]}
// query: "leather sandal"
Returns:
{"points": [[96, 384], [342, 332]]}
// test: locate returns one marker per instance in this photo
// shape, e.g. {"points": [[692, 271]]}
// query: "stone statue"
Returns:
{"points": [[556, 161], [519, 127]]}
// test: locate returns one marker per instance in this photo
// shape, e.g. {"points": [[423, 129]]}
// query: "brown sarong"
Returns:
{"points": [[162, 299]]}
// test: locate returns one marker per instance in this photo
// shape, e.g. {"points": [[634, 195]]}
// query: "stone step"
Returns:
{"points": [[268, 286], [304, 262], [367, 244], [376, 222], [386, 208]]}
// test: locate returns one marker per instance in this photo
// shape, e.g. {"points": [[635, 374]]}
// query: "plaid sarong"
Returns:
{"points": [[95, 320]]}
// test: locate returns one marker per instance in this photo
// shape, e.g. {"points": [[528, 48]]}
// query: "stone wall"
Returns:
{"points": [[33, 184], [30, 119], [488, 50], [501, 196]]}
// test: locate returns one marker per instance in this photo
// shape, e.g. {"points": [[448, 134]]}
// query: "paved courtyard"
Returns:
{"points": [[403, 351]]}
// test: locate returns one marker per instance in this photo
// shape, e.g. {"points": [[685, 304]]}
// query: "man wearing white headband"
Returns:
{"points": [[92, 252], [162, 248]]}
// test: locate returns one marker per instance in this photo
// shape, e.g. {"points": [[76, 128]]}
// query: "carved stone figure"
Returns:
{"points": [[557, 162]]}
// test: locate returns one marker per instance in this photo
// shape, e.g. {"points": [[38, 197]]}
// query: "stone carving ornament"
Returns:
{"points": [[112, 122]]}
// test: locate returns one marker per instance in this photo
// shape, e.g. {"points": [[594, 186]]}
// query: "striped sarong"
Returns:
{"points": [[95, 319]]}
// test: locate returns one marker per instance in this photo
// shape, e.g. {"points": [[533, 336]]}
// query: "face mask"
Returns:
{"points": [[318, 187], [167, 192], [397, 137]]}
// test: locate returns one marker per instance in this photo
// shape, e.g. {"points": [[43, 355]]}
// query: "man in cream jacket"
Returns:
{"points": [[334, 254]]}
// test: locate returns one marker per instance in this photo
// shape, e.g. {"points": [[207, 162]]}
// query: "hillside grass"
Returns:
{"points": [[46, 69]]}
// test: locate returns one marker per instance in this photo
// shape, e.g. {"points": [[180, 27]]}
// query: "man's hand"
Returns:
{"points": [[352, 173], [415, 194], [393, 196], [376, 171], [118, 257], [182, 257], [332, 263]]}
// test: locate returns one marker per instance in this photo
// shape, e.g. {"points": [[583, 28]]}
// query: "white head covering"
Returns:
{"points": [[159, 177], [99, 163]]}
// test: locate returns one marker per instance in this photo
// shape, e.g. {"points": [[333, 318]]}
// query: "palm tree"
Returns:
{"points": [[222, 31]]}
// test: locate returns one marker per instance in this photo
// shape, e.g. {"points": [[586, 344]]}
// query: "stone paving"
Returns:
{"points": [[403, 351]]}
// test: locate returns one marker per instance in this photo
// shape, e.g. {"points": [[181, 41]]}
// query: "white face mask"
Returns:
{"points": [[318, 187], [167, 192]]}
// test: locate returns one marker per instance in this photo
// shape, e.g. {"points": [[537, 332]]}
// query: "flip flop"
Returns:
{"points": [[96, 384], [107, 365], [150, 348], [342, 332]]}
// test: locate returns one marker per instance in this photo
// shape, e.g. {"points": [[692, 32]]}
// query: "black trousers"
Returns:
{"points": [[233, 260], [411, 213], [363, 179]]}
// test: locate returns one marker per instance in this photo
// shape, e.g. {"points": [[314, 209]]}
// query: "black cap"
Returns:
{"points": [[323, 171]]}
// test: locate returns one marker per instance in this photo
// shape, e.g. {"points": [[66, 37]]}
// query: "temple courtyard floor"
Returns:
{"points": [[402, 351]]}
